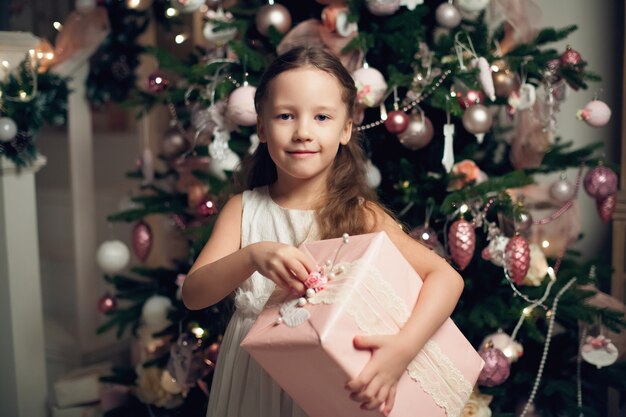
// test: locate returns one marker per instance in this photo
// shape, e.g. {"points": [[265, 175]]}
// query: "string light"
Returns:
{"points": [[180, 38], [57, 25], [133, 4], [198, 332], [171, 12], [545, 244]]}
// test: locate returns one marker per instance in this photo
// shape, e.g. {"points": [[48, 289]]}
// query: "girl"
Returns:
{"points": [[306, 182]]}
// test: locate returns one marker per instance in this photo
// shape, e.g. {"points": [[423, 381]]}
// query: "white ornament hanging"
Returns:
{"points": [[596, 113], [254, 143], [472, 6], [230, 162], [494, 252], [448, 146], [372, 174], [599, 351], [223, 35], [112, 256], [8, 129], [524, 98], [240, 107], [154, 311], [188, 6], [370, 85], [511, 349], [484, 76], [147, 166]]}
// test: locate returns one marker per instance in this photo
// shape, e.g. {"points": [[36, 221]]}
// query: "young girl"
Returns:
{"points": [[306, 182]]}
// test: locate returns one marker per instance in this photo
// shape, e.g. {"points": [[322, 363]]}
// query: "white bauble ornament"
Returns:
{"points": [[240, 108], [383, 7], [154, 311], [511, 349], [472, 6], [113, 256], [599, 351], [8, 129], [448, 16], [222, 36], [372, 175], [230, 162], [371, 86], [188, 6], [169, 384], [596, 113], [562, 190], [494, 252]]}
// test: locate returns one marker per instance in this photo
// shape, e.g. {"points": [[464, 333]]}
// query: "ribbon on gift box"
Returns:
{"points": [[377, 310]]}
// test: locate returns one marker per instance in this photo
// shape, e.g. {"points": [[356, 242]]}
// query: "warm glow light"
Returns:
{"points": [[171, 12], [5, 64], [180, 38], [198, 332], [57, 25], [545, 244], [425, 236], [50, 55], [527, 310], [464, 208], [133, 4], [495, 68], [23, 94]]}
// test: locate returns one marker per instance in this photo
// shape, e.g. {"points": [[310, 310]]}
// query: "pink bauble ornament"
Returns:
{"points": [[207, 207], [462, 242], [502, 341], [106, 303], [448, 16], [562, 190], [172, 144], [596, 113], [570, 58], [397, 122], [600, 182], [418, 133], [469, 98], [157, 82], [142, 240], [497, 368], [370, 86], [240, 108], [606, 207], [477, 119], [517, 258], [383, 7], [275, 15]]}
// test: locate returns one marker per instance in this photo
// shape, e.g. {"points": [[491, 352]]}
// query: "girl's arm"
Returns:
{"points": [[223, 265], [375, 386]]}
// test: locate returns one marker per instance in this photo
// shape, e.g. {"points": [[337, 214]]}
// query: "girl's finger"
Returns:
{"points": [[391, 399], [297, 269]]}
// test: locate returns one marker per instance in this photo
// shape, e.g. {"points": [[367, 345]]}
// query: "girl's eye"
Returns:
{"points": [[284, 116], [322, 117]]}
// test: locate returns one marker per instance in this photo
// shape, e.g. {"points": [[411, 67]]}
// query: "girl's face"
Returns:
{"points": [[303, 121]]}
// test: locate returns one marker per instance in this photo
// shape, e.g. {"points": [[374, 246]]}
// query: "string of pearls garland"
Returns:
{"points": [[546, 347]]}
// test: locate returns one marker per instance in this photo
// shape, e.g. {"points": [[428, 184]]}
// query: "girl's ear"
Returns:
{"points": [[346, 133], [260, 130]]}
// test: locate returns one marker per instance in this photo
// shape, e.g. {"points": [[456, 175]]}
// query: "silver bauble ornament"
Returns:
{"points": [[173, 144], [383, 7], [505, 82], [275, 15], [562, 190], [418, 133], [448, 16], [8, 129]]}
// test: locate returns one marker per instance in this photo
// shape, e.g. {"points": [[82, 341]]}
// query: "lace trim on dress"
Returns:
{"points": [[431, 368]]}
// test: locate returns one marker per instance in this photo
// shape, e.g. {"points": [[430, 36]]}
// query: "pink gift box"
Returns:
{"points": [[309, 352]]}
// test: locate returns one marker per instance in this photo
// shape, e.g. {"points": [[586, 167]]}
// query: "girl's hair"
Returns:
{"points": [[348, 196]]}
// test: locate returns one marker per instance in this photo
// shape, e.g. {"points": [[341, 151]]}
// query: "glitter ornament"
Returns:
{"points": [[517, 258], [207, 207], [370, 86], [112, 256], [372, 175], [462, 242], [600, 182], [562, 190], [106, 303], [275, 15], [383, 7], [570, 58], [240, 108], [448, 16], [606, 207], [418, 133], [596, 113], [142, 240], [157, 82], [8, 129], [503, 342], [497, 367], [397, 122]]}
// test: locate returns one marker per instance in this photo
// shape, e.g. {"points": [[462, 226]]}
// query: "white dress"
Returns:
{"points": [[241, 388]]}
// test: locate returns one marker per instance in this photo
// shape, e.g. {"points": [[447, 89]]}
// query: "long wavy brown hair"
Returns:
{"points": [[349, 198]]}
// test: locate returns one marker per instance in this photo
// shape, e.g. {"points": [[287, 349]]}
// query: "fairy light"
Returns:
{"points": [[133, 4], [527, 311], [425, 236], [57, 25], [495, 68], [23, 95], [171, 12], [464, 208], [180, 38], [5, 64], [545, 244], [198, 332]]}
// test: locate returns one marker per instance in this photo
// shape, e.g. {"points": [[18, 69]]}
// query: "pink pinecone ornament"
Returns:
{"points": [[496, 369], [606, 207], [600, 182], [462, 241], [517, 258]]}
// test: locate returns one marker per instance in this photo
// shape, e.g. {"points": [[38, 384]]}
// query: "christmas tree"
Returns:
{"points": [[457, 105]]}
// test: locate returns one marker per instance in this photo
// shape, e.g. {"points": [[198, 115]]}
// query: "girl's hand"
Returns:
{"points": [[286, 265], [375, 387]]}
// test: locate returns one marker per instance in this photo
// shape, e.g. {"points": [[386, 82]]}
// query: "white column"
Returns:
{"points": [[22, 350]]}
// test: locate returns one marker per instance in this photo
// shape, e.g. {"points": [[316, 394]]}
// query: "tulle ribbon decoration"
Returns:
{"points": [[313, 33], [521, 18]]}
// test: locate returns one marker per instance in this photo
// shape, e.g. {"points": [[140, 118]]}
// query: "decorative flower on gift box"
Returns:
{"points": [[465, 172], [316, 280], [477, 405]]}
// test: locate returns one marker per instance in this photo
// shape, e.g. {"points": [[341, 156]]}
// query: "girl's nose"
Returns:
{"points": [[303, 131]]}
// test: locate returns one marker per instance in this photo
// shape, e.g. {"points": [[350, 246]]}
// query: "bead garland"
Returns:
{"points": [[546, 347], [558, 213]]}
